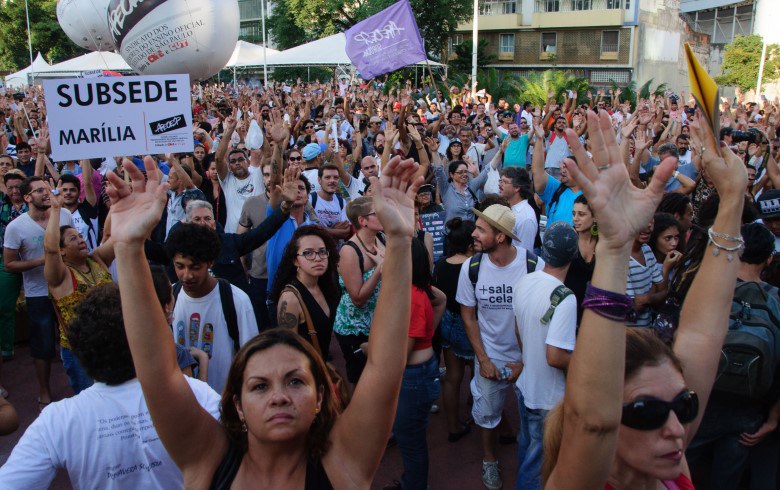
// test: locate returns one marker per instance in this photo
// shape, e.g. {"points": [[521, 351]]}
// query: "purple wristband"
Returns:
{"points": [[610, 305]]}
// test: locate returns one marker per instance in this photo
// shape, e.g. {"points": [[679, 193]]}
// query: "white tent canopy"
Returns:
{"points": [[19, 79], [96, 60], [331, 50], [248, 54]]}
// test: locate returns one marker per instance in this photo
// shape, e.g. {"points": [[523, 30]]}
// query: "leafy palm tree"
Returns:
{"points": [[557, 82], [630, 93]]}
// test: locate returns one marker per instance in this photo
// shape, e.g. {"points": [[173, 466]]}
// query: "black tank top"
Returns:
{"points": [[316, 478], [323, 324]]}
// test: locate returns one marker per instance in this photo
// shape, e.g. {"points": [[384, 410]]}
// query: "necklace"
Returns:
{"points": [[88, 277], [364, 245]]}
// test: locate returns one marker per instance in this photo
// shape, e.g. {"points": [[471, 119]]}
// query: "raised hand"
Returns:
{"points": [[432, 143], [289, 188], [136, 206], [394, 194], [725, 169], [621, 209]]}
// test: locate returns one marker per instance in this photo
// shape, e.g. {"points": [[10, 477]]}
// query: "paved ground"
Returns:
{"points": [[455, 465]]}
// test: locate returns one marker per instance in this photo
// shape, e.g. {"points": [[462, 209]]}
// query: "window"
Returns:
{"points": [[610, 40], [497, 7], [455, 40], [506, 43], [552, 5], [549, 42], [628, 4], [580, 4], [613, 4]]}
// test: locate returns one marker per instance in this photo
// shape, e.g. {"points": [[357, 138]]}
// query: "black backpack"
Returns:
{"points": [[530, 265], [228, 309], [315, 196], [751, 351]]}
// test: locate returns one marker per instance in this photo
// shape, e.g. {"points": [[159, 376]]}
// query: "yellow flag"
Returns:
{"points": [[704, 90]]}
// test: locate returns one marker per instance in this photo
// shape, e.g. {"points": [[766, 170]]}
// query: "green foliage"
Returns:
{"points": [[47, 35], [556, 82], [630, 93], [306, 74], [742, 58], [282, 28], [319, 18], [462, 63]]}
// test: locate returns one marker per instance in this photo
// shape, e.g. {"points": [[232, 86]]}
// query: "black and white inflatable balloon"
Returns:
{"points": [[175, 36]]}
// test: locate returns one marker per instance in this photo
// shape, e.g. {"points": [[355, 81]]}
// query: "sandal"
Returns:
{"points": [[456, 436]]}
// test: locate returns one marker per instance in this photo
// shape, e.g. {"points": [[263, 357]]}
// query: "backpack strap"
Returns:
{"points": [[555, 197], [313, 196], [531, 260], [176, 290], [556, 297], [309, 322], [473, 196], [474, 262], [229, 310], [341, 200], [358, 252]]}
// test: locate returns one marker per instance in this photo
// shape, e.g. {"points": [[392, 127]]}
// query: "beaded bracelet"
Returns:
{"points": [[740, 244], [610, 305]]}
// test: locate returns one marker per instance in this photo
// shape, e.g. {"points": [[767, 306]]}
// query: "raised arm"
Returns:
{"points": [[360, 435], [537, 161], [184, 427], [54, 269], [705, 312], [220, 158], [594, 387]]}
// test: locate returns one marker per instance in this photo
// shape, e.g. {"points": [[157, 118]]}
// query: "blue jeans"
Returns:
{"points": [[258, 296], [43, 327], [79, 379], [716, 446], [529, 451], [419, 389]]}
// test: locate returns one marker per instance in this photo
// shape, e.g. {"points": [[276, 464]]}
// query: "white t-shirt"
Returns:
{"points": [[526, 225], [493, 298], [542, 385], [238, 191], [200, 322], [87, 226], [103, 437], [312, 175], [356, 186], [26, 236], [330, 212]]}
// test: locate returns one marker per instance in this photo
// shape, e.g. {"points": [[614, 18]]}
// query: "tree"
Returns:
{"points": [[742, 58], [319, 18], [47, 35], [462, 62], [535, 90], [629, 91]]}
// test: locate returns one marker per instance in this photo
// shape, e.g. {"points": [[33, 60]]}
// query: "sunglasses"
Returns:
{"points": [[653, 414], [308, 127], [295, 159]]}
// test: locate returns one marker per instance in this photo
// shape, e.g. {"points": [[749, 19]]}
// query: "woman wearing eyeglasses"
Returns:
{"points": [[632, 405], [306, 288]]}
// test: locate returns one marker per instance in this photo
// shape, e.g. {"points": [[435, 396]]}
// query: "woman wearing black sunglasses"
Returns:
{"points": [[632, 405]]}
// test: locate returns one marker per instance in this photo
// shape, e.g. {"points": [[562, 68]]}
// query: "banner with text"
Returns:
{"points": [[385, 41], [94, 117]]}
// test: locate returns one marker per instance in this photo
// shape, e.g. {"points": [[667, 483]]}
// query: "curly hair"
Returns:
{"points": [[97, 337], [317, 441], [329, 282], [193, 241]]}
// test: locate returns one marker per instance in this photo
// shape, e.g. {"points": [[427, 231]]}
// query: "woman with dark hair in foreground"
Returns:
{"points": [[280, 427]]}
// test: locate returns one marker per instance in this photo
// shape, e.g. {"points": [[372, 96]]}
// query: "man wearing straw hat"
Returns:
{"points": [[486, 285]]}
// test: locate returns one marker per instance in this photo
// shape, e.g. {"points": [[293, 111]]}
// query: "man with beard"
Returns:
{"points": [[329, 205], [23, 254], [85, 213], [514, 156], [486, 286], [238, 180], [515, 186], [558, 195], [557, 148]]}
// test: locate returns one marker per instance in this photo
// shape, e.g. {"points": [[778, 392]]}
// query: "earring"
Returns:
{"points": [[316, 411], [243, 425], [594, 229]]}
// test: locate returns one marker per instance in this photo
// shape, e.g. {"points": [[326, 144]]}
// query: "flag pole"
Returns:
{"points": [[29, 40]]}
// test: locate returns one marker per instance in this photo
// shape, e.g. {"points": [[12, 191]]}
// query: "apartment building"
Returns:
{"points": [[602, 40], [250, 29]]}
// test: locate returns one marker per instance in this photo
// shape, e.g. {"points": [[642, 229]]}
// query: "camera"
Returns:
{"points": [[752, 135]]}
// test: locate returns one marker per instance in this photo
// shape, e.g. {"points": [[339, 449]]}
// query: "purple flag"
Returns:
{"points": [[385, 41]]}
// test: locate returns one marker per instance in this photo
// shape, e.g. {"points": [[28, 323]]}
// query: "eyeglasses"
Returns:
{"points": [[309, 254], [295, 159], [653, 414], [39, 190], [461, 172], [237, 161], [308, 127]]}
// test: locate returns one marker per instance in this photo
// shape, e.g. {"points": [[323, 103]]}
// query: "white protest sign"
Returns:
{"points": [[95, 117]]}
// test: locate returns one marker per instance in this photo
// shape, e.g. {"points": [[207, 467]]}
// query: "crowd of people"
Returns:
{"points": [[606, 263]]}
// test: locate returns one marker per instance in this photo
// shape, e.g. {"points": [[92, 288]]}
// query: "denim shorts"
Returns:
{"points": [[43, 328], [453, 335]]}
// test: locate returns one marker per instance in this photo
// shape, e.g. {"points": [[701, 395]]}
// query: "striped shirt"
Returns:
{"points": [[640, 280]]}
